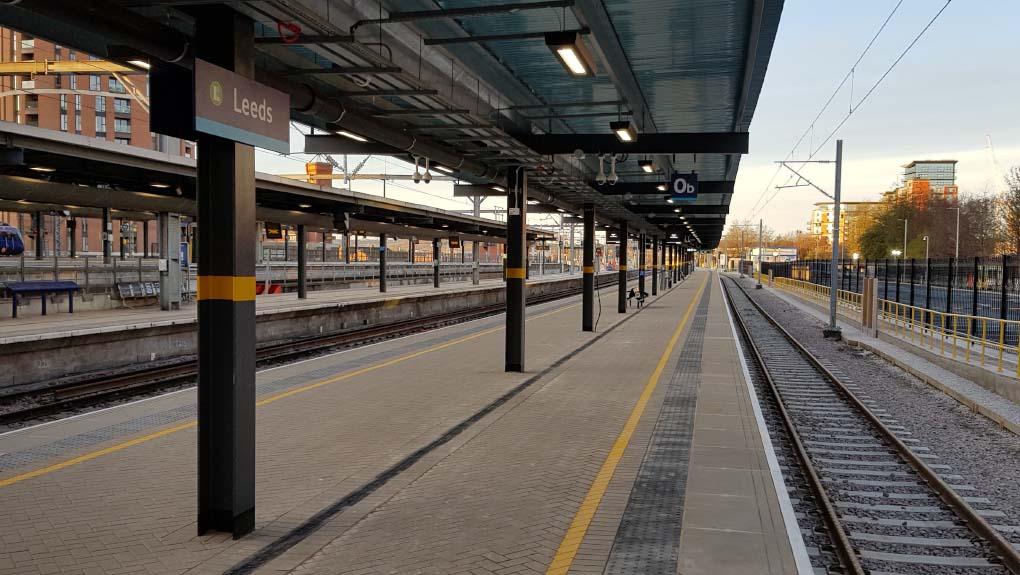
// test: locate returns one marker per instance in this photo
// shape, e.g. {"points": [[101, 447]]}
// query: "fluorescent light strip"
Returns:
{"points": [[573, 62], [351, 135]]}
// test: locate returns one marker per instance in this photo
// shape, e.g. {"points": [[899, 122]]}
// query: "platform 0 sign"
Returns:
{"points": [[684, 187], [236, 108]]}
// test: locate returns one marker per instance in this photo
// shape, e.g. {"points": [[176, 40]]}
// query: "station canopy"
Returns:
{"points": [[603, 102]]}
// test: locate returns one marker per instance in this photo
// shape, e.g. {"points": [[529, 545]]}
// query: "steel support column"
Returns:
{"points": [[226, 298], [621, 303], [588, 279], [72, 237], [516, 272], [302, 263], [642, 239], [655, 265], [435, 262], [382, 263], [145, 238], [107, 236]]}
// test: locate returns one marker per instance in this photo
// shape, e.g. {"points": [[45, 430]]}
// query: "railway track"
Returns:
{"points": [[885, 502], [92, 390]]}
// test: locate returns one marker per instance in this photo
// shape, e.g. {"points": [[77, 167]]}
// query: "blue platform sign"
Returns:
{"points": [[684, 187], [184, 255]]}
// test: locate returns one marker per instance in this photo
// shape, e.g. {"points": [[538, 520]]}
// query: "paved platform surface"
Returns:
{"points": [[556, 470], [60, 323]]}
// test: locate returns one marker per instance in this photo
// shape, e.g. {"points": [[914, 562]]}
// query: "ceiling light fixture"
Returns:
{"points": [[560, 210], [624, 130], [661, 187], [669, 200], [647, 165], [677, 210], [499, 189], [351, 135], [304, 205], [533, 202], [572, 53], [159, 185], [443, 169], [42, 169], [140, 64]]}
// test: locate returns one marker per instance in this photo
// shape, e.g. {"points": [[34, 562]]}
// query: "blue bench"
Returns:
{"points": [[19, 289]]}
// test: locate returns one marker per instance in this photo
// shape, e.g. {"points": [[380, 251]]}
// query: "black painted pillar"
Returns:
{"points": [[663, 272], [641, 262], [410, 250], [621, 304], [72, 239], [655, 265], [588, 269], [347, 247], [145, 238], [302, 263], [107, 236], [516, 262], [226, 297], [435, 262], [40, 234], [382, 263]]}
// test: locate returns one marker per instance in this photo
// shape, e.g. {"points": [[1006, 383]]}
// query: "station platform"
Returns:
{"points": [[58, 323], [636, 449]]}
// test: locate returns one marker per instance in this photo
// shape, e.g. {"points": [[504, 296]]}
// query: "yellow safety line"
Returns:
{"points": [[564, 557], [265, 401]]}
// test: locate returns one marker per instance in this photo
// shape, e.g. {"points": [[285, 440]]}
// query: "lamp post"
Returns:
{"points": [[957, 243], [905, 220]]}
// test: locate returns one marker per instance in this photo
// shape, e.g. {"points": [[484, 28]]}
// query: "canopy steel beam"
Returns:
{"points": [[657, 143], [332, 144], [494, 37], [568, 105], [299, 40], [467, 191], [392, 92], [346, 71], [705, 187], [414, 15], [684, 209], [582, 115]]}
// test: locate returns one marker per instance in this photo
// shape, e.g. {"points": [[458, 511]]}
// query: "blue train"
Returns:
{"points": [[11, 243]]}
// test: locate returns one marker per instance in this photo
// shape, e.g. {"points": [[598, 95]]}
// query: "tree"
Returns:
{"points": [[1011, 211]]}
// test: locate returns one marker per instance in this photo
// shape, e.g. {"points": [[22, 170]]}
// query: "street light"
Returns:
{"points": [[856, 256], [896, 253], [925, 238]]}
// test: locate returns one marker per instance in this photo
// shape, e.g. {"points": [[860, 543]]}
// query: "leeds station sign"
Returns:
{"points": [[237, 108]]}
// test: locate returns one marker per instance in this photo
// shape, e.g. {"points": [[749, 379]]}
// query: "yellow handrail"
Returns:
{"points": [[927, 327]]}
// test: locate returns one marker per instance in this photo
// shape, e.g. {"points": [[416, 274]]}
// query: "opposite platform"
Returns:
{"points": [[420, 455]]}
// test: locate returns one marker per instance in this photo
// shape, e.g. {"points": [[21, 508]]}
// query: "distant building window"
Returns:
{"points": [[116, 86], [77, 102], [121, 106], [77, 123], [100, 124], [100, 104], [94, 83], [125, 141], [121, 125], [63, 122], [63, 102], [74, 81]]}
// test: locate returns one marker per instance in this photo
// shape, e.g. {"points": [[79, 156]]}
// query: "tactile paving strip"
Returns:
{"points": [[648, 539]]}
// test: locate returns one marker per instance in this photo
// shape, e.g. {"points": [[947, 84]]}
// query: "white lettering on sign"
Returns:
{"points": [[259, 111], [681, 186]]}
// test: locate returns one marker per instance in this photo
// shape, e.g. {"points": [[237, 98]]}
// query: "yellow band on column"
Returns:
{"points": [[228, 288], [589, 269], [623, 268], [516, 273]]}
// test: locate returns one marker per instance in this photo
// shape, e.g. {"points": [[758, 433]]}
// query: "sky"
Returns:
{"points": [[956, 86]]}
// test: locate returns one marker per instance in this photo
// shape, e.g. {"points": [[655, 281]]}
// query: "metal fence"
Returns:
{"points": [[980, 287]]}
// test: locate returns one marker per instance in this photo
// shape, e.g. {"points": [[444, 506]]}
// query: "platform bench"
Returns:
{"points": [[20, 289], [137, 290]]}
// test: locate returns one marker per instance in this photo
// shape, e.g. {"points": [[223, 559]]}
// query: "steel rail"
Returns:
{"points": [[844, 547], [1000, 545]]}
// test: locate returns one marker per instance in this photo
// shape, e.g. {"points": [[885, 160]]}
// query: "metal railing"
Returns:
{"points": [[957, 335], [964, 335], [845, 299]]}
